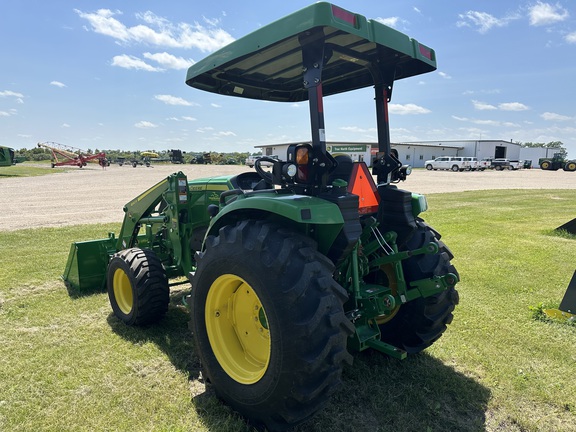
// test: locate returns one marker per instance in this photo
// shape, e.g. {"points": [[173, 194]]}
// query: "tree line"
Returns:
{"points": [[38, 154]]}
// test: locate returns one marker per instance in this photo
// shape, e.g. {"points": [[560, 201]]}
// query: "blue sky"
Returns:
{"points": [[110, 75]]}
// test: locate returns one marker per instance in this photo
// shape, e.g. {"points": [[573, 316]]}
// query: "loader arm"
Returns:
{"points": [[163, 212]]}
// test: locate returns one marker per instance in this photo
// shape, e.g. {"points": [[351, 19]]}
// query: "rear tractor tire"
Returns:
{"points": [[419, 323], [137, 286], [268, 323]]}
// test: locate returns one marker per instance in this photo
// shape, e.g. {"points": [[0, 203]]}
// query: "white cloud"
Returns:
{"points": [[205, 129], [4, 114], [145, 125], [172, 100], [407, 109], [546, 13], [482, 106], [188, 118], [130, 62], [169, 61], [492, 91], [444, 75], [8, 93], [482, 21], [211, 21], [390, 22], [158, 31], [57, 84], [513, 106], [485, 122], [357, 129], [225, 133], [554, 117], [213, 105], [65, 125], [571, 37]]}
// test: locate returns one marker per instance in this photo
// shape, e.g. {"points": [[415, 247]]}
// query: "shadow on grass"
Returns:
{"points": [[417, 394], [171, 335], [378, 393]]}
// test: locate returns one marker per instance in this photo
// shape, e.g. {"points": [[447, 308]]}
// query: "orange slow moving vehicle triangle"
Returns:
{"points": [[362, 184]]}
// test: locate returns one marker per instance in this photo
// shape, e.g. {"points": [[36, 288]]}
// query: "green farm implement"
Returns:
{"points": [[6, 156], [294, 268]]}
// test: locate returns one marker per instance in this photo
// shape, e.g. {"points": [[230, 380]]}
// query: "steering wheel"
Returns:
{"points": [[267, 176]]}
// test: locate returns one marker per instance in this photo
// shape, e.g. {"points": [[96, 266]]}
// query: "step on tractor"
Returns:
{"points": [[296, 267]]}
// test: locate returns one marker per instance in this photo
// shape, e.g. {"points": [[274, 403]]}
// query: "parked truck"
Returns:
{"points": [[294, 268], [558, 161]]}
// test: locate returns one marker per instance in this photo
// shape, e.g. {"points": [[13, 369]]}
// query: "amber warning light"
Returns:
{"points": [[362, 184]]}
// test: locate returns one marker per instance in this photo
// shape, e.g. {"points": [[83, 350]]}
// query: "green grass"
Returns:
{"points": [[26, 169], [66, 364]]}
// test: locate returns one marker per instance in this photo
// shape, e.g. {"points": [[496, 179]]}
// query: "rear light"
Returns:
{"points": [[301, 156], [302, 159], [344, 15], [425, 52]]}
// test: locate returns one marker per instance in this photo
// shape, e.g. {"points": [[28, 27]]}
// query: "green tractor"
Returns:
{"points": [[294, 268], [6, 156], [558, 161]]}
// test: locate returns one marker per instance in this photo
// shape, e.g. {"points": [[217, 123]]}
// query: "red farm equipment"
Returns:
{"points": [[65, 155]]}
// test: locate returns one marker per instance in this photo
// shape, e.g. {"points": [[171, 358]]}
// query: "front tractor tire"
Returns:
{"points": [[137, 286], [419, 323], [268, 323]]}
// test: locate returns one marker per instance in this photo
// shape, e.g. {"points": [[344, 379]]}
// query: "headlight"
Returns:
{"points": [[289, 170]]}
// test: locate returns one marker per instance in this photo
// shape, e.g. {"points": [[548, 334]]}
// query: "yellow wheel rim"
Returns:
{"points": [[238, 329], [388, 269], [123, 291]]}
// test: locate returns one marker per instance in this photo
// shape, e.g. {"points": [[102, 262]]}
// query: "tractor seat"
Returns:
{"points": [[343, 169]]}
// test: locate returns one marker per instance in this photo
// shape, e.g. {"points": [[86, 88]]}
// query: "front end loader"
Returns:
{"points": [[295, 268]]}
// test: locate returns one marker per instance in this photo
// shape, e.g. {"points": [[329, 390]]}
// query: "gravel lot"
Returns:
{"points": [[94, 195]]}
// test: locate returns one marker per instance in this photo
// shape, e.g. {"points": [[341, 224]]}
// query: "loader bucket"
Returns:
{"points": [[567, 308], [87, 264], [569, 226]]}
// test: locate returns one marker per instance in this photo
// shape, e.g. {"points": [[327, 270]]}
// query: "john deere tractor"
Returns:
{"points": [[296, 267], [6, 156], [558, 161]]}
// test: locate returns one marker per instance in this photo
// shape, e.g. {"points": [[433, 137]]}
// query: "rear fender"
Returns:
{"points": [[314, 217]]}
